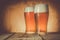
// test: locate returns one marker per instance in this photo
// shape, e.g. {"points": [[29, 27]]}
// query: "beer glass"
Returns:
{"points": [[41, 17], [29, 20]]}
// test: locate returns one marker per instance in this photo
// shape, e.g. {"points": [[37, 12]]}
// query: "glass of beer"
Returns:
{"points": [[41, 17], [29, 20]]}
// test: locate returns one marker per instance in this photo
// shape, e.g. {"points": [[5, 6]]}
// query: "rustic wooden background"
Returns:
{"points": [[12, 15]]}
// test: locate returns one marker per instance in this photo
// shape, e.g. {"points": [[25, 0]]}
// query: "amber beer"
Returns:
{"points": [[29, 19], [41, 16]]}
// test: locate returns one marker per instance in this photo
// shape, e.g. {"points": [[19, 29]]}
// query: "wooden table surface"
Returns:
{"points": [[18, 36]]}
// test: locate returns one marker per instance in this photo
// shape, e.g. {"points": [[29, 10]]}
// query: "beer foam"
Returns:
{"points": [[40, 8], [28, 9]]}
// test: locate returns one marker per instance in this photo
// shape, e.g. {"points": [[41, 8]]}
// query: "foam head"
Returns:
{"points": [[39, 8], [28, 9]]}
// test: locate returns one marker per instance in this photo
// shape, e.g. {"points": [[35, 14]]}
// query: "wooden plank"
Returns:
{"points": [[25, 37], [53, 36], [4, 36], [18, 36]]}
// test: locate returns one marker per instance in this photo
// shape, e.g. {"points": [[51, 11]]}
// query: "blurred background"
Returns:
{"points": [[12, 15]]}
